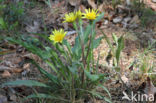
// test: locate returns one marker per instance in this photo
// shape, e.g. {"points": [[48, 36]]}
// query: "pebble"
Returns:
{"points": [[117, 20], [106, 22], [13, 97], [70, 33], [127, 19]]}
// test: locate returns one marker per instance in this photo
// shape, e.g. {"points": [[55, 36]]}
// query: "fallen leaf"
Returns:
{"points": [[125, 79], [26, 66], [82, 8], [101, 7], [58, 4], [150, 89], [74, 2], [33, 28], [6, 74], [151, 4], [31, 56], [135, 20], [17, 70], [92, 4]]}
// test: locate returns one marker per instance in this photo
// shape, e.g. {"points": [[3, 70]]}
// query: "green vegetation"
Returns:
{"points": [[74, 75]]}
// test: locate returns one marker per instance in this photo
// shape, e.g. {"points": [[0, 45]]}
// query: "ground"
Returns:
{"points": [[119, 21]]}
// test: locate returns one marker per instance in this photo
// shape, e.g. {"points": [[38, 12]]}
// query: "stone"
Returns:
{"points": [[106, 22], [135, 20], [70, 33], [13, 97], [117, 20], [127, 19]]}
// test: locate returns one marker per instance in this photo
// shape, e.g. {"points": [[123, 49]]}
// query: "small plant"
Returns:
{"points": [[146, 63], [115, 53], [74, 75]]}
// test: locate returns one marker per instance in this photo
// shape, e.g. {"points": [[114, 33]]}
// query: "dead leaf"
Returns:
{"points": [[82, 8], [150, 89], [92, 4], [59, 4], [33, 28], [26, 66], [135, 20], [125, 79], [32, 56], [150, 4], [17, 70], [101, 7], [6, 74], [74, 2]]}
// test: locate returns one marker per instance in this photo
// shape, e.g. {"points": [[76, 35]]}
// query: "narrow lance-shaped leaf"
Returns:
{"points": [[97, 41], [25, 83], [45, 73], [119, 48], [115, 38], [45, 96]]}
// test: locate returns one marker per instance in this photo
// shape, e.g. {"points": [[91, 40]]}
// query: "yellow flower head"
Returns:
{"points": [[58, 35], [90, 14], [79, 14], [71, 17]]}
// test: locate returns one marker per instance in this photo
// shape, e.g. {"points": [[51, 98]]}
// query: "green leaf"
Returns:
{"points": [[115, 38], [117, 69], [120, 47], [92, 77], [77, 48], [97, 41], [52, 66], [65, 42], [105, 90], [2, 23], [45, 96], [107, 39], [87, 32], [74, 67], [44, 36], [97, 94], [35, 50], [29, 83], [107, 100], [41, 95], [45, 73]]}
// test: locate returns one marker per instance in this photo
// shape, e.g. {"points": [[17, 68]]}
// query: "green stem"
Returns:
{"points": [[80, 35], [90, 46]]}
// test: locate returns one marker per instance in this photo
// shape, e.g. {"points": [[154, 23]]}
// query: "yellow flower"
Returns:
{"points": [[58, 35], [90, 14], [79, 14], [71, 17]]}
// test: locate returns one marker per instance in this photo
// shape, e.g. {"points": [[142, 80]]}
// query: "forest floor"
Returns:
{"points": [[119, 20]]}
